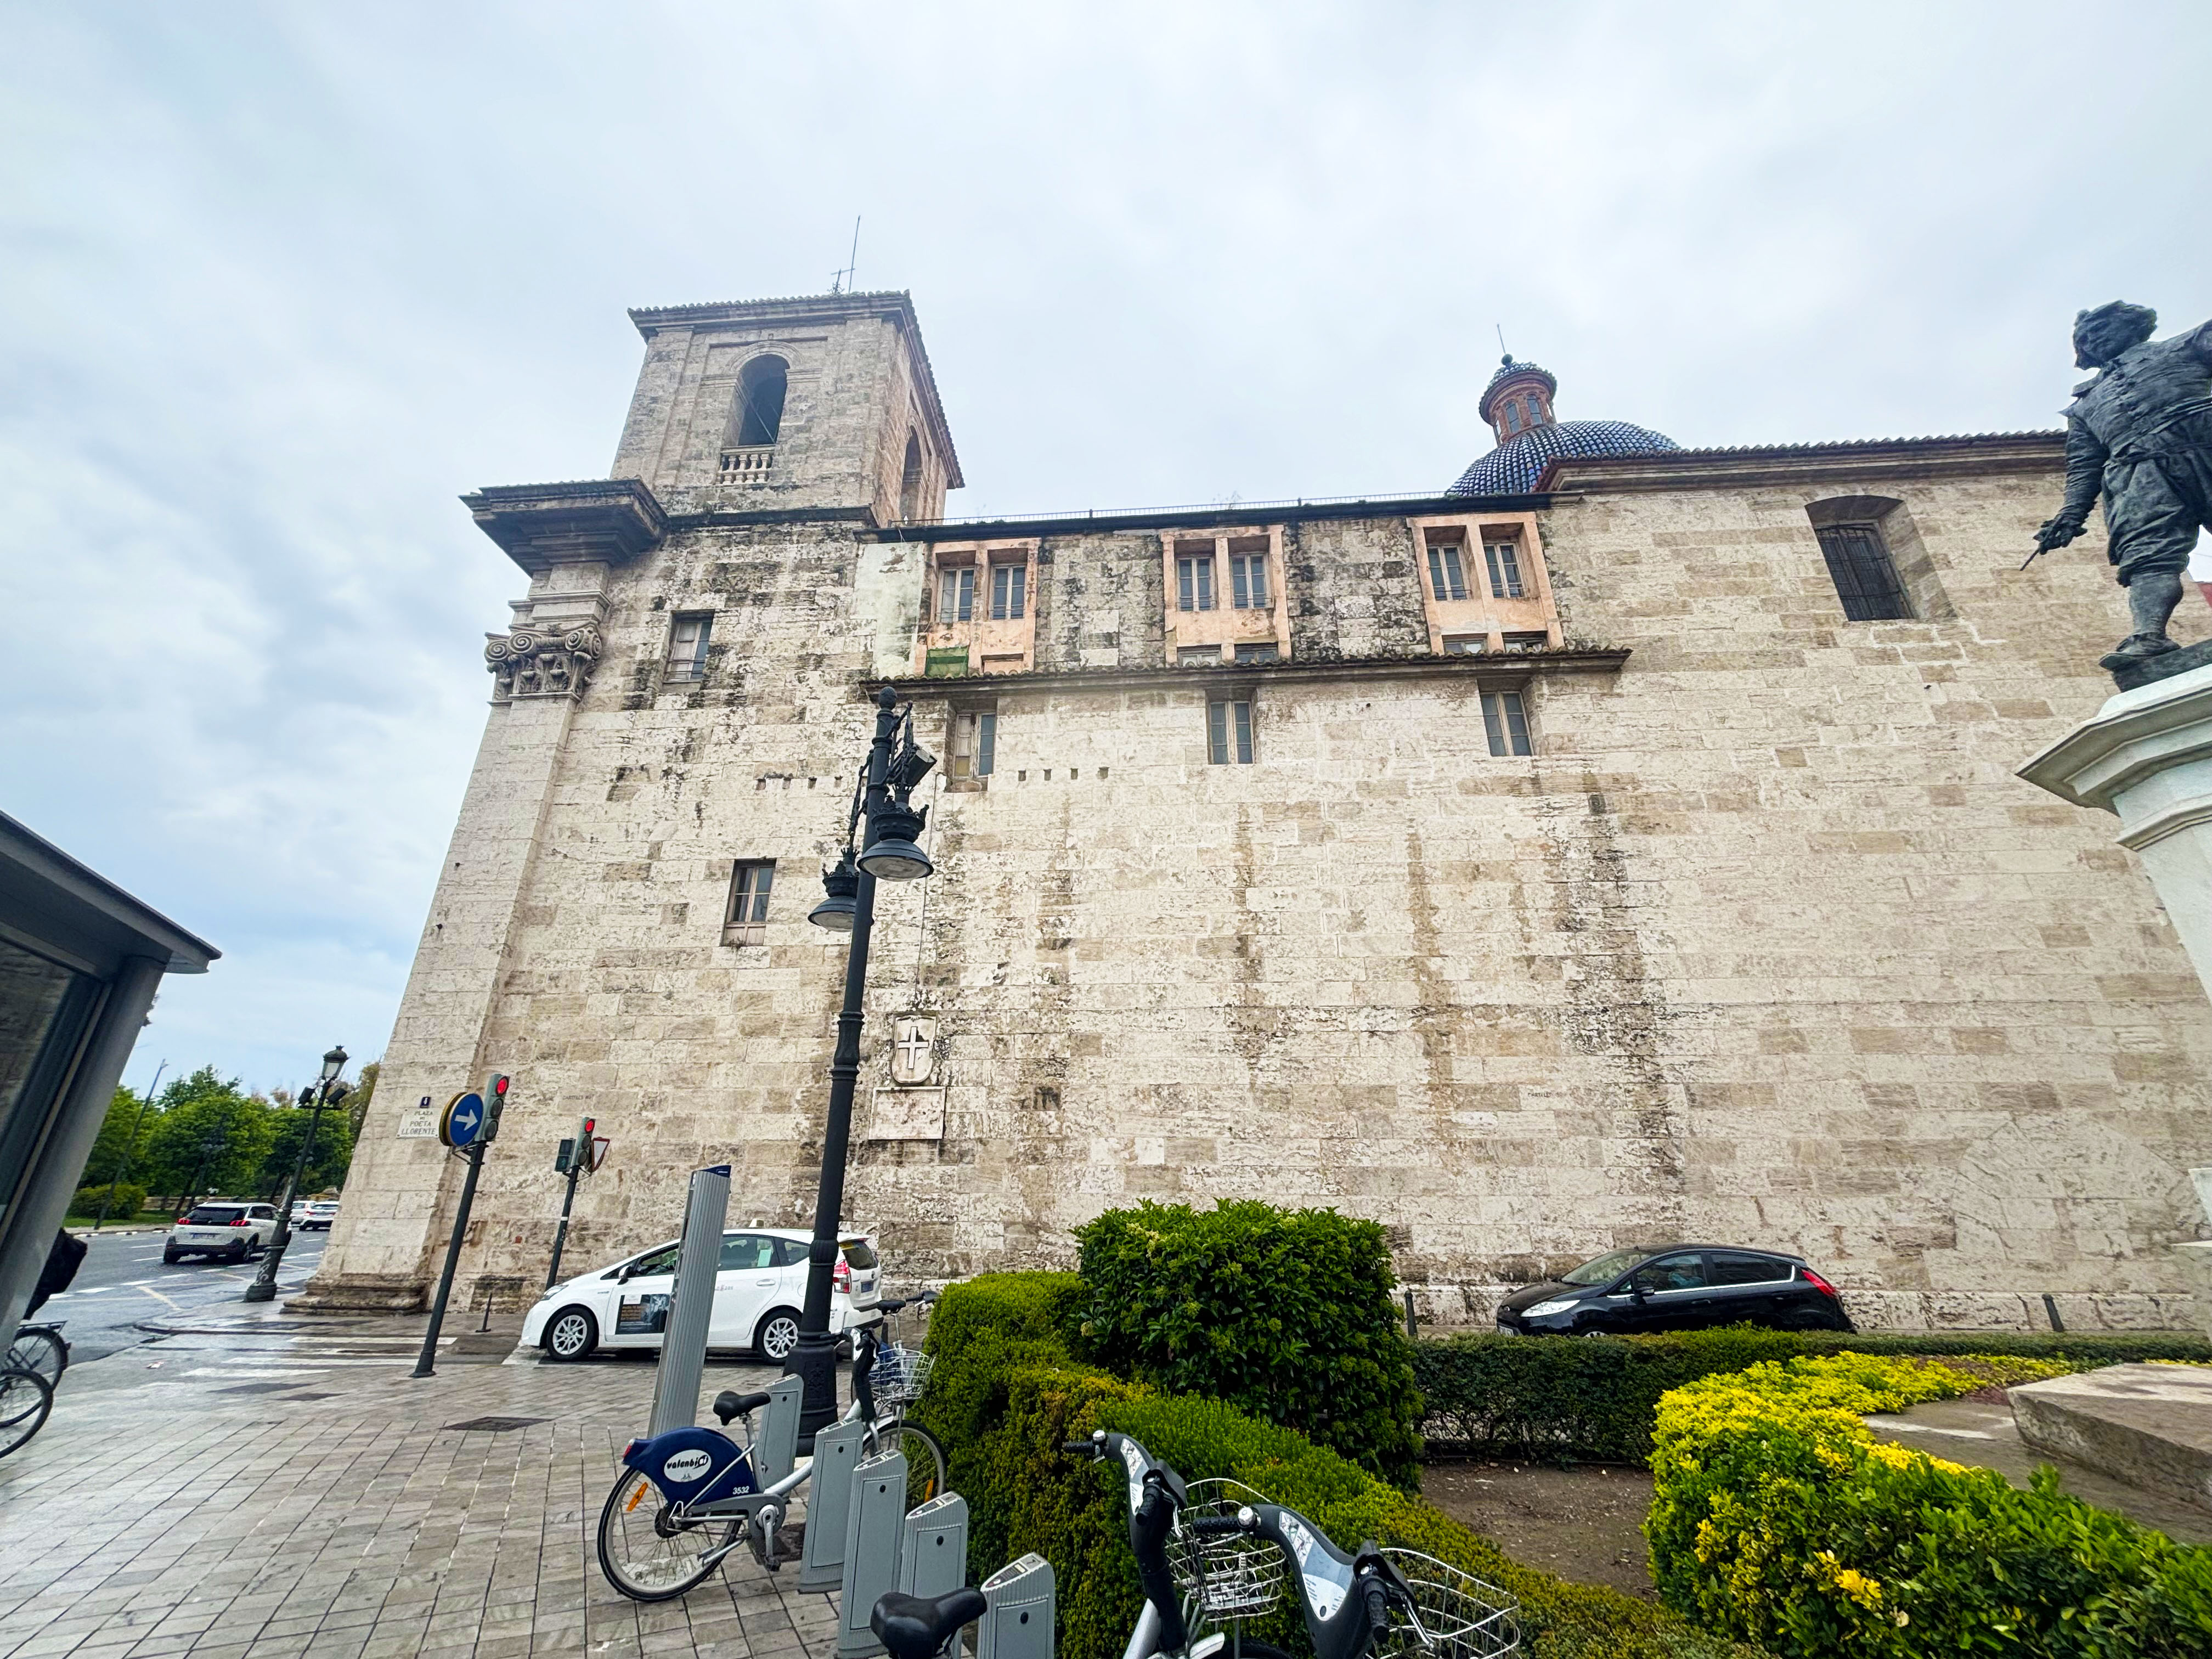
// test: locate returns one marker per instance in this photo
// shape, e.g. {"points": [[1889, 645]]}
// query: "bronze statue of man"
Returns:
{"points": [[2140, 429]]}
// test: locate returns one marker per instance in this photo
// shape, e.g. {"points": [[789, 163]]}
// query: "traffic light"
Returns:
{"points": [[565, 1156], [494, 1102]]}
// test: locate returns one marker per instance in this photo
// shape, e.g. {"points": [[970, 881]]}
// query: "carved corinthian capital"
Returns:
{"points": [[527, 663]]}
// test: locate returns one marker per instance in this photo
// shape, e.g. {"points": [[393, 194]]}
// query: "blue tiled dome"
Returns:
{"points": [[1514, 466]]}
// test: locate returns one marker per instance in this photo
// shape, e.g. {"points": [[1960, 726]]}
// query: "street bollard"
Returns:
{"points": [[829, 1500], [775, 1452], [933, 1547], [1017, 1619], [872, 1549], [690, 1303]]}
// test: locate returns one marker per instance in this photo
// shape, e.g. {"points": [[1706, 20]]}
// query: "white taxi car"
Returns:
{"points": [[233, 1228], [758, 1293]]}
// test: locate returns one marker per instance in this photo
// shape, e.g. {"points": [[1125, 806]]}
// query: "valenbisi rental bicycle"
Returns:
{"points": [[685, 1500], [1383, 1603], [39, 1348], [26, 1400], [896, 1376]]}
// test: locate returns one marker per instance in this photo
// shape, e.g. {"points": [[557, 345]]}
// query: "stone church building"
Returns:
{"points": [[1619, 845]]}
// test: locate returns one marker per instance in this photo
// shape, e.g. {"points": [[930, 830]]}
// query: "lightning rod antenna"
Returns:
{"points": [[1500, 327], [841, 280]]}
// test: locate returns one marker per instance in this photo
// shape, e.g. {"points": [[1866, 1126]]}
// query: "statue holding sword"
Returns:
{"points": [[2140, 432]]}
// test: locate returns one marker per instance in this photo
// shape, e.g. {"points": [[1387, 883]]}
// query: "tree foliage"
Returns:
{"points": [[204, 1135]]}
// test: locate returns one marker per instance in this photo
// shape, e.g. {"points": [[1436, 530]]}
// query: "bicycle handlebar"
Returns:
{"points": [[1378, 1605]]}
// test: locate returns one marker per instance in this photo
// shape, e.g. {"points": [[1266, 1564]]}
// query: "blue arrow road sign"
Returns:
{"points": [[464, 1120]]}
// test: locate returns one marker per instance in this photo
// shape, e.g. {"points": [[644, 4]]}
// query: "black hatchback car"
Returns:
{"points": [[1676, 1287]]}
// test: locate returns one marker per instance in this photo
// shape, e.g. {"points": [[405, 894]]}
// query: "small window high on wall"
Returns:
{"points": [[975, 743], [1865, 576], [687, 647], [761, 387], [910, 478]]}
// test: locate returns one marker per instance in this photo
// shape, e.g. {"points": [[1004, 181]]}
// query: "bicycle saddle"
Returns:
{"points": [[729, 1404], [916, 1626]]}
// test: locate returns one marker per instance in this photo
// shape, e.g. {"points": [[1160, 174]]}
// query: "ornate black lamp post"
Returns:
{"points": [[324, 1090], [888, 852]]}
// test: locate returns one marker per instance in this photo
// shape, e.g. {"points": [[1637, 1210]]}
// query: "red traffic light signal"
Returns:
{"points": [[499, 1086], [588, 1126]]}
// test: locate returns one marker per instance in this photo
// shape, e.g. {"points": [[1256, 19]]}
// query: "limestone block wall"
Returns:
{"points": [[1764, 944]]}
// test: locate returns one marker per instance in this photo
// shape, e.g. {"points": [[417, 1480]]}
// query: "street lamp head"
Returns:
{"points": [[333, 1063], [892, 854], [842, 886]]}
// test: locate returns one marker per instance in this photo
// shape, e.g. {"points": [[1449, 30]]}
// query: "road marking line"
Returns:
{"points": [[156, 1295]]}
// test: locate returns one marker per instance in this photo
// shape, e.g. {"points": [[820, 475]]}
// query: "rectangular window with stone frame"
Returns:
{"points": [[975, 744], [1502, 554], [1009, 591], [1229, 731], [688, 633], [1447, 572], [1506, 723], [746, 920]]}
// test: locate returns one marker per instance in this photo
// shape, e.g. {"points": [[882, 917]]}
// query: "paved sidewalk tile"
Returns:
{"points": [[157, 1516]]}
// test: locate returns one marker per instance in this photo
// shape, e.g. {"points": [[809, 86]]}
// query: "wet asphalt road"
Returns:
{"points": [[124, 1280]]}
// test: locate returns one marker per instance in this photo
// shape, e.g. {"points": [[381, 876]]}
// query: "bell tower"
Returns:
{"points": [[800, 406]]}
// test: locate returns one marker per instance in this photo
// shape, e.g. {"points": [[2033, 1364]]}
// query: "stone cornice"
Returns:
{"points": [[2135, 737], [894, 306], [1199, 516], [1805, 463], [1503, 669], [587, 520]]}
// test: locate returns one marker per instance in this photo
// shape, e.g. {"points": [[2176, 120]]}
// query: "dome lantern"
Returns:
{"points": [[1518, 405]]}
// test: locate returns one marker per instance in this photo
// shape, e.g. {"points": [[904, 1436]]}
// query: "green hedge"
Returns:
{"points": [[1285, 1313], [130, 1199], [1779, 1519], [1596, 1396], [1005, 1392]]}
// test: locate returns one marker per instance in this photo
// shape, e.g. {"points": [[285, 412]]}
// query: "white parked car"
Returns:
{"points": [[757, 1296], [233, 1228], [310, 1213]]}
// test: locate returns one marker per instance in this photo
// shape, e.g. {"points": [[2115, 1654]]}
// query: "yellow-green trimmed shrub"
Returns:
{"points": [[1005, 1393], [1779, 1519]]}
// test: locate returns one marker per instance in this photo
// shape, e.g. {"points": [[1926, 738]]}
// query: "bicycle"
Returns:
{"points": [[897, 1378], [706, 1498], [41, 1348], [26, 1400], [1196, 1557]]}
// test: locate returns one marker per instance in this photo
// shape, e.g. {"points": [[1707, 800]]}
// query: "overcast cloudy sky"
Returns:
{"points": [[278, 283]]}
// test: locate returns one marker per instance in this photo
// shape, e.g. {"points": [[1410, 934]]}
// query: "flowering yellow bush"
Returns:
{"points": [[1779, 1518]]}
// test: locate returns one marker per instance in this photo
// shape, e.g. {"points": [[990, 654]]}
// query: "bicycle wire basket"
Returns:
{"points": [[1231, 1576], [1454, 1615], [900, 1374]]}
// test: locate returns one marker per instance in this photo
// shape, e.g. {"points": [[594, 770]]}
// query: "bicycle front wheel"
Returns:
{"points": [[26, 1398], [649, 1553], [925, 1458], [39, 1350]]}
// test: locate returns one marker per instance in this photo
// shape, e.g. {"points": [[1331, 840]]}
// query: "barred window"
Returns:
{"points": [[1187, 656], [1229, 731], [956, 595], [1465, 645], [1009, 585], [687, 647], [746, 922], [1269, 652], [1503, 558], [1447, 574], [1506, 722], [975, 743], [1534, 642], [1194, 580], [1859, 565]]}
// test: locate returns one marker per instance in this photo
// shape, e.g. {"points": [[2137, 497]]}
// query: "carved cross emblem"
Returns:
{"points": [[913, 1049]]}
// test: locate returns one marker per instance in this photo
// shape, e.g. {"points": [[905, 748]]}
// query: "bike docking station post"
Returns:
{"points": [[829, 1502], [933, 1548], [467, 1126], [1018, 1611], [872, 1549], [690, 1303]]}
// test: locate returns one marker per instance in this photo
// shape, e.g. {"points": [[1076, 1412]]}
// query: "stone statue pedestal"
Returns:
{"points": [[2147, 756]]}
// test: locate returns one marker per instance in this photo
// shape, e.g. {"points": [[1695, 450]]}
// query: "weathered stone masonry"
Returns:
{"points": [[1762, 943]]}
